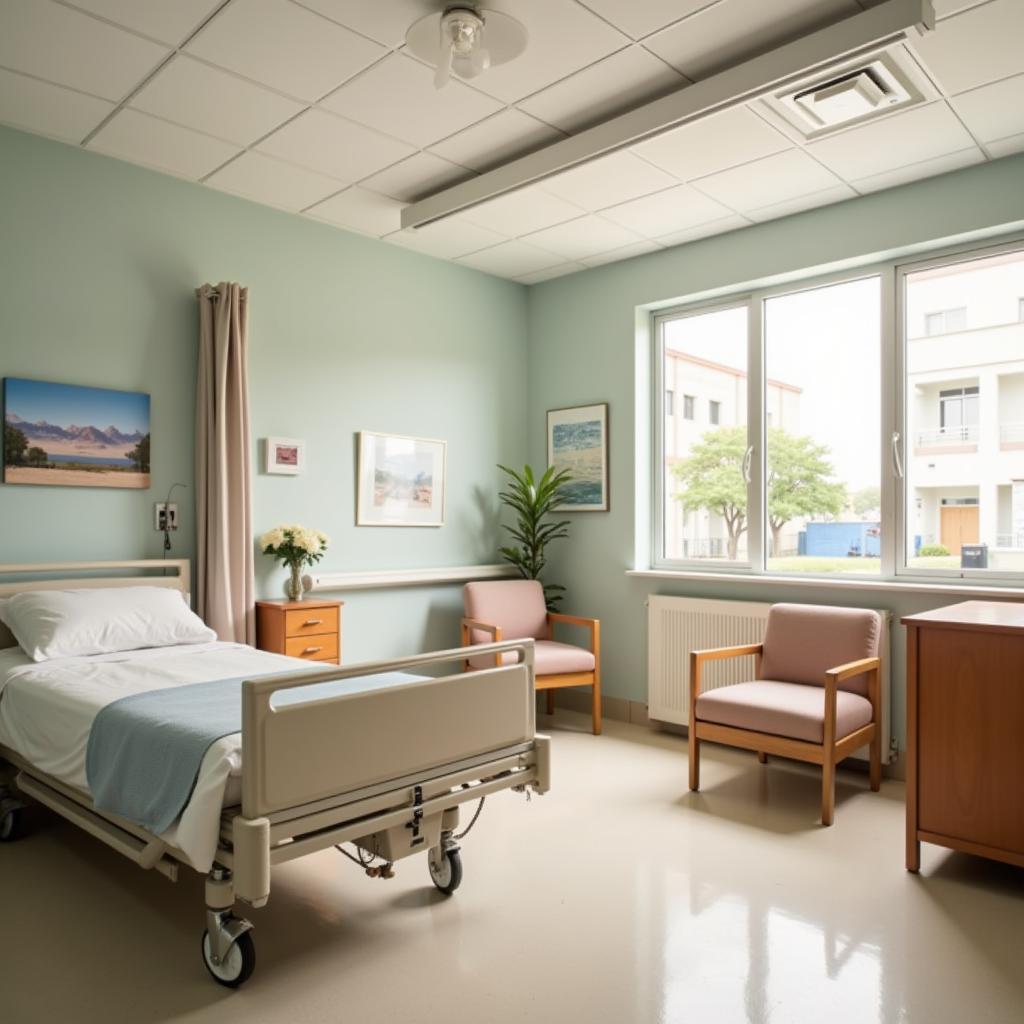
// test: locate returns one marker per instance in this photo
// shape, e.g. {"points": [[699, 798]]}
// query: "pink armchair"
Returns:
{"points": [[814, 697], [515, 610]]}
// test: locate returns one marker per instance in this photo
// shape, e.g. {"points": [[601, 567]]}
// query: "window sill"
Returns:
{"points": [[959, 589]]}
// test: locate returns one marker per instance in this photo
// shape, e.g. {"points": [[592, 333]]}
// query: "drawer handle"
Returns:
{"points": [[313, 622], [312, 650]]}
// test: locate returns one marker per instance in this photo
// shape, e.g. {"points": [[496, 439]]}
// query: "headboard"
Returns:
{"points": [[79, 575]]}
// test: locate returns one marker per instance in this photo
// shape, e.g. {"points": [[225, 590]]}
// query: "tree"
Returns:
{"points": [[15, 443], [867, 499], [139, 455], [712, 478], [36, 456], [798, 484]]}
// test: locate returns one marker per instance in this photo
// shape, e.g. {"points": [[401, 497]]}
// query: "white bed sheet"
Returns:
{"points": [[47, 710]]}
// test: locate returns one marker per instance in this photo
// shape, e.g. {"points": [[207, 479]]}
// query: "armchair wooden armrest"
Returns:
{"points": [[593, 625], [698, 658], [853, 668], [484, 627]]}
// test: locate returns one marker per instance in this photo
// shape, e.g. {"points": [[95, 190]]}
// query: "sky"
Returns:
{"points": [[67, 404]]}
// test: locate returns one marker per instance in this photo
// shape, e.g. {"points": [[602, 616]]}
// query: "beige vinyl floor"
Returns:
{"points": [[618, 897]]}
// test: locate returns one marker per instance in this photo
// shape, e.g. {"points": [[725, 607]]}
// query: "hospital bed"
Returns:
{"points": [[386, 768]]}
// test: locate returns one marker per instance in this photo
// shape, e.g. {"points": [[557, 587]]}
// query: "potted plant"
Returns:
{"points": [[533, 501], [294, 546]]}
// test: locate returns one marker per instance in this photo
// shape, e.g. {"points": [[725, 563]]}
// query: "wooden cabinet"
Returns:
{"points": [[300, 629], [965, 730]]}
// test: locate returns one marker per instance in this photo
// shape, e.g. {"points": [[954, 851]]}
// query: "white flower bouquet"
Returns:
{"points": [[295, 546]]}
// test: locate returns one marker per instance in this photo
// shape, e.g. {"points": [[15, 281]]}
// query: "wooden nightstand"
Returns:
{"points": [[300, 629]]}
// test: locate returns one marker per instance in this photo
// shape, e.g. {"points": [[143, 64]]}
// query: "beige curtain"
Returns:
{"points": [[224, 543]]}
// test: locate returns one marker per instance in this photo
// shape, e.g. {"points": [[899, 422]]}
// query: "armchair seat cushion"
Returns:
{"points": [[794, 710], [549, 659]]}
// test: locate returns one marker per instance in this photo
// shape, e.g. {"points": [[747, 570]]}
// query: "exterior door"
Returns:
{"points": [[959, 526]]}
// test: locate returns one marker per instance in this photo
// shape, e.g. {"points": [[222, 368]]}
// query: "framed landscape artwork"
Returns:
{"points": [[401, 480], [72, 436], [578, 442], [285, 455]]}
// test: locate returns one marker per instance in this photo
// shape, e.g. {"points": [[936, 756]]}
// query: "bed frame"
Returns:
{"points": [[322, 772]]}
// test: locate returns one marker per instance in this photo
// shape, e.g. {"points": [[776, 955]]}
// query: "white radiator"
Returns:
{"points": [[678, 625]]}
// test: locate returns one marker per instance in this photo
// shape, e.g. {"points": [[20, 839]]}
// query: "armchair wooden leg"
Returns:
{"points": [[597, 704], [762, 757], [828, 791], [694, 745], [551, 701], [875, 771]]}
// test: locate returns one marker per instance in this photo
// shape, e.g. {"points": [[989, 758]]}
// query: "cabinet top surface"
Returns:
{"points": [[291, 606], [991, 615]]}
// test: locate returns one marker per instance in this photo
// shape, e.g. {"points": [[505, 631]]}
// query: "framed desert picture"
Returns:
{"points": [[285, 455], [401, 480], [72, 436], [578, 442]]}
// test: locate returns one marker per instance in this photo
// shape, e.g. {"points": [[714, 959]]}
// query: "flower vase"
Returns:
{"points": [[294, 587]]}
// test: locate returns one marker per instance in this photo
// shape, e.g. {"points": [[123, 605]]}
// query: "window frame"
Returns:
{"points": [[894, 449]]}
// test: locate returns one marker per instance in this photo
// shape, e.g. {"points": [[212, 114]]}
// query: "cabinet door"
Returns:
{"points": [[971, 737]]}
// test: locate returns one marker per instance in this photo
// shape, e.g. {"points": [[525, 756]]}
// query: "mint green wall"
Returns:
{"points": [[98, 263], [583, 349]]}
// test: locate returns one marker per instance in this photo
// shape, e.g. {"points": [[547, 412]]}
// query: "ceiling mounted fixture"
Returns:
{"points": [[465, 41]]}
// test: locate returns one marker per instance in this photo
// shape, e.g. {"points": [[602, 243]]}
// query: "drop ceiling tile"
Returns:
{"points": [[993, 111], [924, 169], [894, 141], [284, 46], [672, 210], [616, 84], [332, 145], [49, 109], [978, 46], [497, 140], [168, 22], [273, 182], [359, 210], [160, 144], [732, 31], [511, 259], [551, 273], [770, 180], [1006, 147], [811, 201], [183, 91], [609, 180], [715, 227], [386, 22], [398, 96], [713, 144], [564, 37], [519, 213], [624, 253], [638, 18], [447, 238], [415, 177], [70, 48], [585, 236]]}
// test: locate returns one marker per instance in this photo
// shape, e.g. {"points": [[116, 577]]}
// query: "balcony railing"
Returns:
{"points": [[967, 434], [1010, 433], [1010, 540], [704, 547]]}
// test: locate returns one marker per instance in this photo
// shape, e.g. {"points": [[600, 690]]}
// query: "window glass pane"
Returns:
{"points": [[823, 419], [705, 496], [965, 417]]}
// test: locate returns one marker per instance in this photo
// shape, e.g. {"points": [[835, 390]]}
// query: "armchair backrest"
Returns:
{"points": [[517, 606], [803, 641]]}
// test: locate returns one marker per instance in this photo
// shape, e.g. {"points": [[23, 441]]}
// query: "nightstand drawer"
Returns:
{"points": [[310, 623], [316, 648]]}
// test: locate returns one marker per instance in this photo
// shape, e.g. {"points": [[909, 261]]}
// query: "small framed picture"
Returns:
{"points": [[578, 442], [401, 480], [285, 455]]}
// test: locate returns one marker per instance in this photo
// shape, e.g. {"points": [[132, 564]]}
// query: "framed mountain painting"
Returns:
{"points": [[578, 442], [71, 436]]}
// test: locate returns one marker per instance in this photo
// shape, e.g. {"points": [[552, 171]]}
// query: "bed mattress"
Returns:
{"points": [[47, 711]]}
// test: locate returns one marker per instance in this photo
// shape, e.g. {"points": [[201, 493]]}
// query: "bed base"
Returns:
{"points": [[290, 811]]}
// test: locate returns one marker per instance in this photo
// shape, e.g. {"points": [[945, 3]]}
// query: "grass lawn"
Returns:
{"points": [[852, 566]]}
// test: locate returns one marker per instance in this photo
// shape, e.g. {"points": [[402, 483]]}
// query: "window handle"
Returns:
{"points": [[748, 458], [897, 462]]}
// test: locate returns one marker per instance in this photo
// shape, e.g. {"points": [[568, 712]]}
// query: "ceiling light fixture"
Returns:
{"points": [[465, 41]]}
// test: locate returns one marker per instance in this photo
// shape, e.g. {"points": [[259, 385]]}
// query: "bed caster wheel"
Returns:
{"points": [[445, 869], [12, 824], [237, 966]]}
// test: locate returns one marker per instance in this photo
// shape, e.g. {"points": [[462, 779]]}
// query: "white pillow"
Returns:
{"points": [[71, 623]]}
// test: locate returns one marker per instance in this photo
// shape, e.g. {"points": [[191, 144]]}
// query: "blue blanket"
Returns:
{"points": [[145, 750]]}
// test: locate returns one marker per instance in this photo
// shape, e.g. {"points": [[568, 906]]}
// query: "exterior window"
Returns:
{"points": [[670, 402], [689, 407], [714, 413], [946, 321]]}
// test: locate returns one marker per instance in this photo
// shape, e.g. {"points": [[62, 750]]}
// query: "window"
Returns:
{"points": [[670, 396], [945, 321], [841, 440]]}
